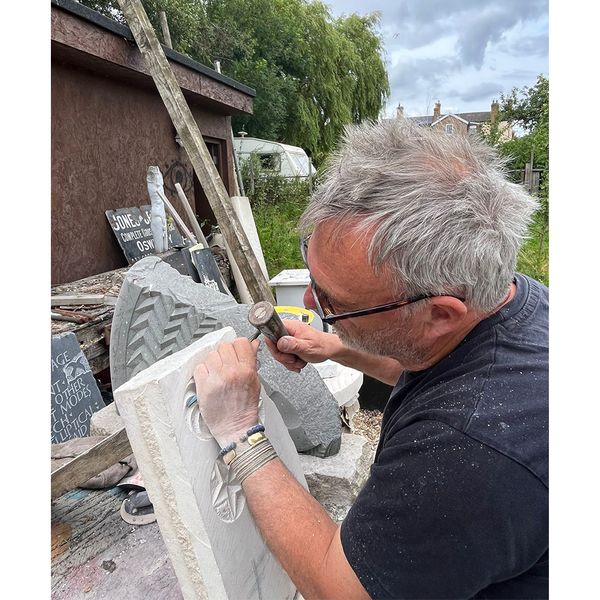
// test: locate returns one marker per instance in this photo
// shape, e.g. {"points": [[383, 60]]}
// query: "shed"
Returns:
{"points": [[109, 124]]}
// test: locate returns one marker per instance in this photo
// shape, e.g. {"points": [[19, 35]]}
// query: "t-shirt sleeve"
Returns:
{"points": [[443, 516]]}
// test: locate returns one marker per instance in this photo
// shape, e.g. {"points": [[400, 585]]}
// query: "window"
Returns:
{"points": [[449, 128], [301, 162], [270, 161]]}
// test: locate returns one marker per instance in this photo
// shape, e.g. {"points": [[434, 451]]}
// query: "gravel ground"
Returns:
{"points": [[368, 424]]}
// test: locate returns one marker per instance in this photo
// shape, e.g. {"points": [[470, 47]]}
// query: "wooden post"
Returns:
{"points": [[191, 216], [192, 141], [164, 25], [171, 209]]}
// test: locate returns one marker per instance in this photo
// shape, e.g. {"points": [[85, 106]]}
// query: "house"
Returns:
{"points": [[109, 125], [468, 123]]}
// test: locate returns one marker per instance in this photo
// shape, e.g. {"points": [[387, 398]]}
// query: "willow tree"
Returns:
{"points": [[313, 74]]}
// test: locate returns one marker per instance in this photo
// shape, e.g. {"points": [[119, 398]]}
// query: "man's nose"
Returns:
{"points": [[308, 299]]}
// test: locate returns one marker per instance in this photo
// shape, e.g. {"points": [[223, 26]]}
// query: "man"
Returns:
{"points": [[412, 252]]}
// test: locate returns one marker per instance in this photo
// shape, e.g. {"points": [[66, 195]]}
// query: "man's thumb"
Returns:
{"points": [[287, 344]]}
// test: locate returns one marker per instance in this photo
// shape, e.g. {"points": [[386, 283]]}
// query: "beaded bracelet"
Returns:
{"points": [[255, 429], [252, 436], [227, 449]]}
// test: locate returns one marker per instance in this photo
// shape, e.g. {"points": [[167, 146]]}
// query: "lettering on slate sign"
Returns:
{"points": [[75, 397], [131, 227]]}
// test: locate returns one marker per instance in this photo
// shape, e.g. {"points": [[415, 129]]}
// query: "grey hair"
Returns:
{"points": [[443, 217]]}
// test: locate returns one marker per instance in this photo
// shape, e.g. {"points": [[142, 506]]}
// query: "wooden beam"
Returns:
{"points": [[81, 299], [192, 141], [171, 210], [90, 463], [191, 216], [164, 25]]}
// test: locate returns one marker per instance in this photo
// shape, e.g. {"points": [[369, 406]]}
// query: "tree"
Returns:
{"points": [[529, 109], [312, 74]]}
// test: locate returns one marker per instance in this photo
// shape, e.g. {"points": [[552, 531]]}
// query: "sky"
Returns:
{"points": [[463, 53]]}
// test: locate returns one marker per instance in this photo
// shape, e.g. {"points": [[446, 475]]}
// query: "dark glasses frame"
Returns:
{"points": [[328, 317]]}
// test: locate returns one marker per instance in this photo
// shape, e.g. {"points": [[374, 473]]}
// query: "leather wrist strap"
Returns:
{"points": [[252, 459]]}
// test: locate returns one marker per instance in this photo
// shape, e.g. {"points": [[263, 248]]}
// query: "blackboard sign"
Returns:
{"points": [[208, 272], [131, 227], [75, 396]]}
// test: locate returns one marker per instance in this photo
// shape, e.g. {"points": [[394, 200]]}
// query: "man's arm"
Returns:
{"points": [[306, 344], [296, 528], [301, 535]]}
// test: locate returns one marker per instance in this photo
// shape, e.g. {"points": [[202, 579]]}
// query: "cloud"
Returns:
{"points": [[479, 92], [410, 72], [535, 45], [463, 52]]}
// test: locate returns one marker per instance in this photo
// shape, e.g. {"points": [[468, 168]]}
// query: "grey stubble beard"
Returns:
{"points": [[397, 341]]}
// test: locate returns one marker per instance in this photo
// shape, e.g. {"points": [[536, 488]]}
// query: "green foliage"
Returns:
{"points": [[277, 204], [312, 74], [528, 110], [534, 256]]}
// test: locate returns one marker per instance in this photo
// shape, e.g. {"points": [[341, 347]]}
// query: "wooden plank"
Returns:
{"points": [[91, 462], [191, 216], [77, 299], [63, 453], [192, 141], [164, 25], [171, 209]]}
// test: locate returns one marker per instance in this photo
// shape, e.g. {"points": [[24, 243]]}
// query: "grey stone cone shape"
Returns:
{"points": [[159, 311]]}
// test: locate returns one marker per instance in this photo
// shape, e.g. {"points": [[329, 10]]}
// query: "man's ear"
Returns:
{"points": [[444, 315]]}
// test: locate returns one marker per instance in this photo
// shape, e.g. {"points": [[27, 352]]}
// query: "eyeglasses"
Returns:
{"points": [[326, 311]]}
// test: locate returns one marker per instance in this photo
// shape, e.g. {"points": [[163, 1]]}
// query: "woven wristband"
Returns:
{"points": [[252, 460]]}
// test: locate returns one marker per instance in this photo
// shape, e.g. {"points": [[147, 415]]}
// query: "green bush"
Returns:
{"points": [[277, 204], [534, 255]]}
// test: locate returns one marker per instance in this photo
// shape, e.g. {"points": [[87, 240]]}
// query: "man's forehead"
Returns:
{"points": [[339, 263], [342, 236]]}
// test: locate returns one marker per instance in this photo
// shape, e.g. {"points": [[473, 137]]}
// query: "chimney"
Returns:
{"points": [[494, 111], [436, 110], [399, 111]]}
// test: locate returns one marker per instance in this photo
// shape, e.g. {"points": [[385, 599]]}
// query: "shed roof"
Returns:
{"points": [[104, 22]]}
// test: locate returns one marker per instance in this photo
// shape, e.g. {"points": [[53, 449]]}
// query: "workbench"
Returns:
{"points": [[96, 555]]}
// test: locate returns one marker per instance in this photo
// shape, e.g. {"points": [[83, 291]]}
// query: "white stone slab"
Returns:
{"points": [[345, 385], [241, 206], [216, 550], [291, 277]]}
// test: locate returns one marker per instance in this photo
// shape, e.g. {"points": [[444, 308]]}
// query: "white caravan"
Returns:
{"points": [[275, 158]]}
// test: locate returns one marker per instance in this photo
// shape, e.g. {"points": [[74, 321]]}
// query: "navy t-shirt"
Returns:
{"points": [[456, 505]]}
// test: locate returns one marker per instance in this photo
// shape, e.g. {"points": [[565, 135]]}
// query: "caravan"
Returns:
{"points": [[275, 158]]}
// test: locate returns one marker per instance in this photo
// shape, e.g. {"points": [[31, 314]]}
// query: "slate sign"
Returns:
{"points": [[75, 396], [131, 227], [208, 271]]}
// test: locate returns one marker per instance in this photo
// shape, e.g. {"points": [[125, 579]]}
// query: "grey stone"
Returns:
{"points": [[159, 312], [106, 421], [335, 481]]}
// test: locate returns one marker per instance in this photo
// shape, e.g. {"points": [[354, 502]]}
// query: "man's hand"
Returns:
{"points": [[228, 390], [304, 344]]}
